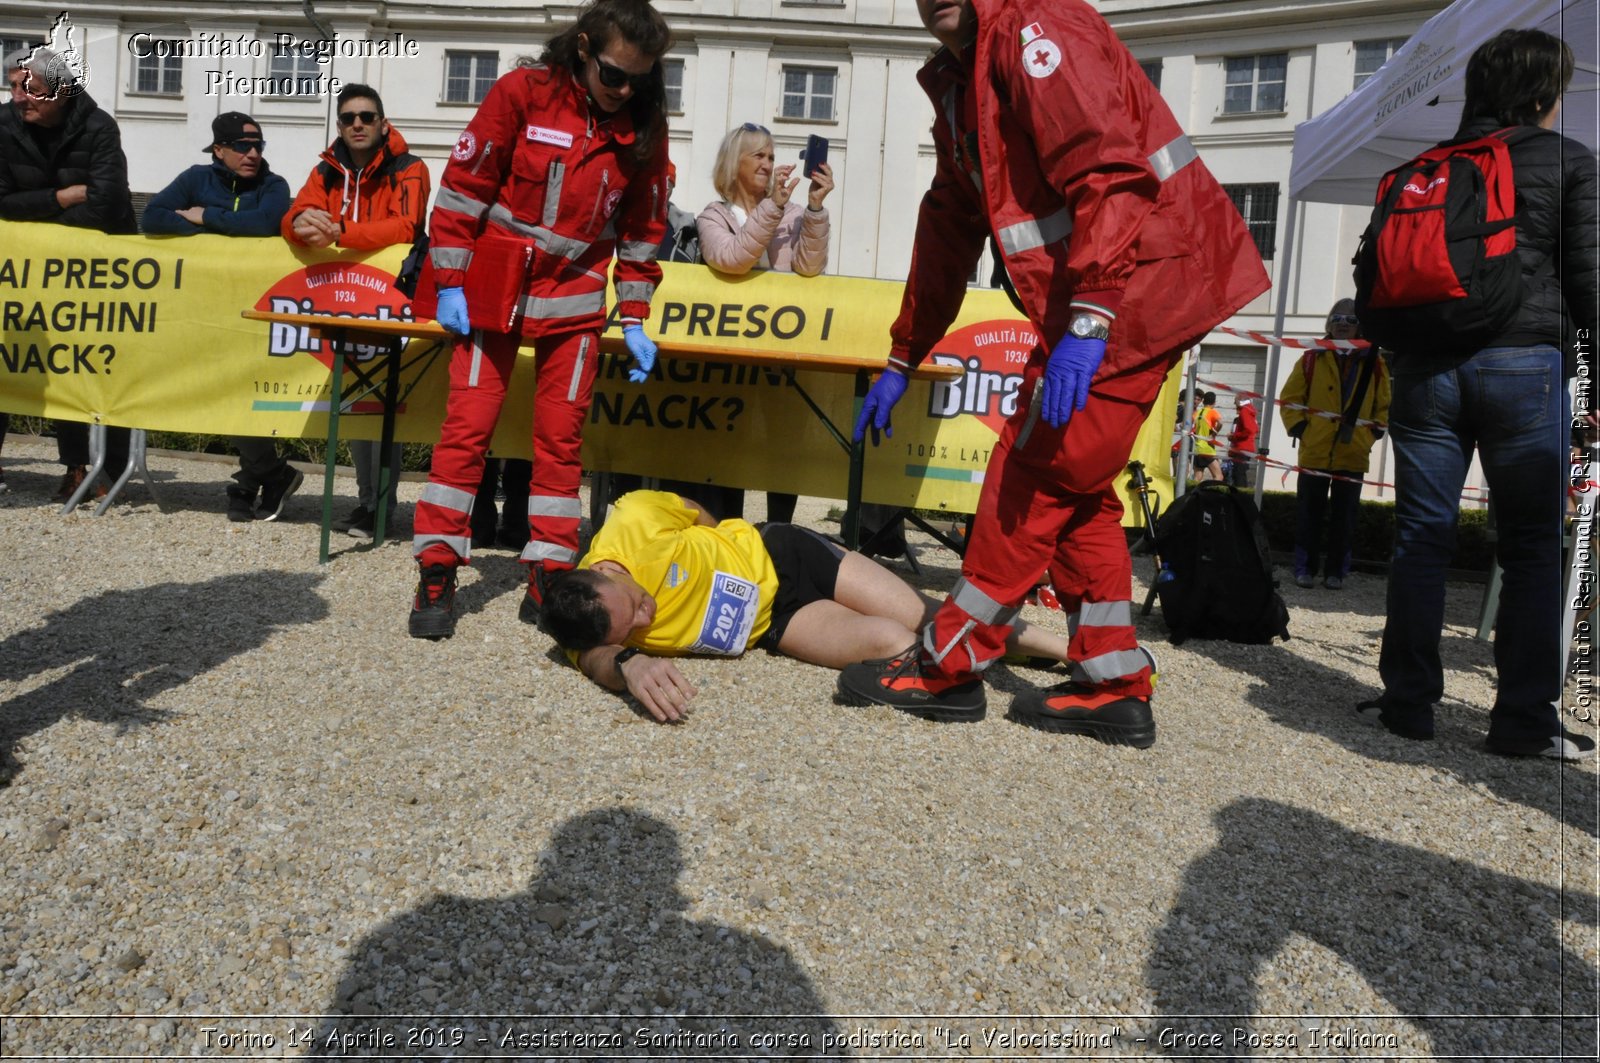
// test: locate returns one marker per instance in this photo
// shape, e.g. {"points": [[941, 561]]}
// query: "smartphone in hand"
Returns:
{"points": [[814, 154]]}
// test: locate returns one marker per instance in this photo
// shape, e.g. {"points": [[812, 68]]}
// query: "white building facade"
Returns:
{"points": [[1239, 75]]}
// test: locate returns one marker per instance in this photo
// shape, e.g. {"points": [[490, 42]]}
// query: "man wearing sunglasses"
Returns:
{"points": [[367, 191], [236, 194]]}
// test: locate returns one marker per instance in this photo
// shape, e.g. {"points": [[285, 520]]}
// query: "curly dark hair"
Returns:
{"points": [[573, 614], [641, 25]]}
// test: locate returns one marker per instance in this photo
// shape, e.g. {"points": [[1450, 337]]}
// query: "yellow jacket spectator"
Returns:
{"points": [[1353, 386], [1330, 380]]}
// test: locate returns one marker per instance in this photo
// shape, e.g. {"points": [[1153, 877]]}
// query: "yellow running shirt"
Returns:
{"points": [[713, 586]]}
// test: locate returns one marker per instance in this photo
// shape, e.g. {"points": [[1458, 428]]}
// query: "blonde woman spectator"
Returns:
{"points": [[757, 224]]}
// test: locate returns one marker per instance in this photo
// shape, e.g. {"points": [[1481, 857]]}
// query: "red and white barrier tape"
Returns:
{"points": [[1310, 411], [1307, 343]]}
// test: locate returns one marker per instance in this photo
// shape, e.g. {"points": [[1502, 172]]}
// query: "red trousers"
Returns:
{"points": [[480, 368], [1049, 504]]}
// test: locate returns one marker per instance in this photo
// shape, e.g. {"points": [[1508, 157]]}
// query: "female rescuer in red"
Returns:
{"points": [[1124, 251], [563, 166]]}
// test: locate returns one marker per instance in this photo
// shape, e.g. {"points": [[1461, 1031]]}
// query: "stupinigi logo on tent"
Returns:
{"points": [[334, 289]]}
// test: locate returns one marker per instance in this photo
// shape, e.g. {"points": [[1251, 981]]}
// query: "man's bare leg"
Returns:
{"points": [[868, 588]]}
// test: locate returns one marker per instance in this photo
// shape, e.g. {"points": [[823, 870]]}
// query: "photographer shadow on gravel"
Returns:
{"points": [[1470, 957], [579, 964], [123, 648]]}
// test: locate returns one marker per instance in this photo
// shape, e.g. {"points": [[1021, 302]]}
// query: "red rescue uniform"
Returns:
{"points": [[1052, 140], [537, 166]]}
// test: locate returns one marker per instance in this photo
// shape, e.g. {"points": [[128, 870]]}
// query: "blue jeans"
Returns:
{"points": [[1511, 404]]}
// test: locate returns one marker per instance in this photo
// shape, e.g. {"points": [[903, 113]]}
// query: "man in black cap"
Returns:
{"points": [[61, 161], [236, 195]]}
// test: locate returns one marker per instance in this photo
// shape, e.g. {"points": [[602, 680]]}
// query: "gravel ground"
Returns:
{"points": [[237, 788]]}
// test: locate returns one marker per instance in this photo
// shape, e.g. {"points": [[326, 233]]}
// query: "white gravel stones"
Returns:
{"points": [[240, 789]]}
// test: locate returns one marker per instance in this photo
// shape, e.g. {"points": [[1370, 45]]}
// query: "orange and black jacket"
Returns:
{"points": [[384, 204]]}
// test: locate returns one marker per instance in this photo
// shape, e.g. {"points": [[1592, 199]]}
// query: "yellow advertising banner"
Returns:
{"points": [[145, 332]]}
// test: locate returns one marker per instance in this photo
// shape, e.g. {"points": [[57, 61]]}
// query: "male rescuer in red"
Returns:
{"points": [[563, 167], [1124, 251]]}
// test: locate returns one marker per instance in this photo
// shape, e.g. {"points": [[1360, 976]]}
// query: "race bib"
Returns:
{"points": [[729, 617]]}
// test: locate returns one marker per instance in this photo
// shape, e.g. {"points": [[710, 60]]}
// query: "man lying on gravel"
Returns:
{"points": [[664, 578]]}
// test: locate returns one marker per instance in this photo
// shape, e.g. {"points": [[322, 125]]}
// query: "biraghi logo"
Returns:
{"points": [[994, 355], [336, 289]]}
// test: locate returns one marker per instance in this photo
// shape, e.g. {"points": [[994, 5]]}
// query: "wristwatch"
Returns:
{"points": [[1085, 327], [626, 655]]}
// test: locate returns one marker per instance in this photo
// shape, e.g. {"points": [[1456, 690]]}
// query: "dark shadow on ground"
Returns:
{"points": [[124, 648], [595, 959], [1564, 793], [1471, 955], [498, 574]]}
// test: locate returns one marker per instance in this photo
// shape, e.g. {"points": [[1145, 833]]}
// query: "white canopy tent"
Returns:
{"points": [[1413, 102]]}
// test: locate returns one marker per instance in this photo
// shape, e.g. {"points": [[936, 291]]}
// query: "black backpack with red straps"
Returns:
{"points": [[1437, 270]]}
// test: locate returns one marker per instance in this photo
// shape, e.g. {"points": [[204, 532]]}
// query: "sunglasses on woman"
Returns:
{"points": [[1343, 319], [614, 77]]}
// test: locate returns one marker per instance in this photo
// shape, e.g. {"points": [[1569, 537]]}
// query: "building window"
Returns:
{"points": [[1255, 83], [468, 75], [160, 75], [1152, 70], [11, 44], [808, 92], [672, 76], [1258, 205], [290, 70], [1370, 55]]}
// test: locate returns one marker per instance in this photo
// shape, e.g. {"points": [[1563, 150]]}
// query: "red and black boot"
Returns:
{"points": [[433, 610], [907, 683]]}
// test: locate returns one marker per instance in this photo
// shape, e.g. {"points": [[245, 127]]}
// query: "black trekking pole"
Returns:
{"points": [[1141, 487]]}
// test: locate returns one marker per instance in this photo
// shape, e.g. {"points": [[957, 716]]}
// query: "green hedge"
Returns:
{"points": [[1375, 532]]}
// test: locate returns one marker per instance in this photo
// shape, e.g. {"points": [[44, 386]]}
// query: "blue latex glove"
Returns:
{"points": [[1066, 378], [643, 350], [875, 409], [452, 312]]}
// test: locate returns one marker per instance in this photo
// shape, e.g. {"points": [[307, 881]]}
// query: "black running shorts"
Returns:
{"points": [[808, 571]]}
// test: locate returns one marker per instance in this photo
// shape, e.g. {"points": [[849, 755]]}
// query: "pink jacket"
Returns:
{"points": [[795, 241]]}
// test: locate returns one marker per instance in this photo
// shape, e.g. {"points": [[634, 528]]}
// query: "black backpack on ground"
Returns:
{"points": [[1216, 580]]}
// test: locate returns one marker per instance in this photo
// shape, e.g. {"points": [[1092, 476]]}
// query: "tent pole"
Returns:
{"points": [[1186, 416], [1268, 410]]}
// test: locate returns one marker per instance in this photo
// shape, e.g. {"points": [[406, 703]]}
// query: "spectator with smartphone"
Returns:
{"points": [[758, 224]]}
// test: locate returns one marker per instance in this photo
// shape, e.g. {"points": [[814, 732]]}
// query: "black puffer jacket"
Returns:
{"points": [[1558, 237], [89, 152]]}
